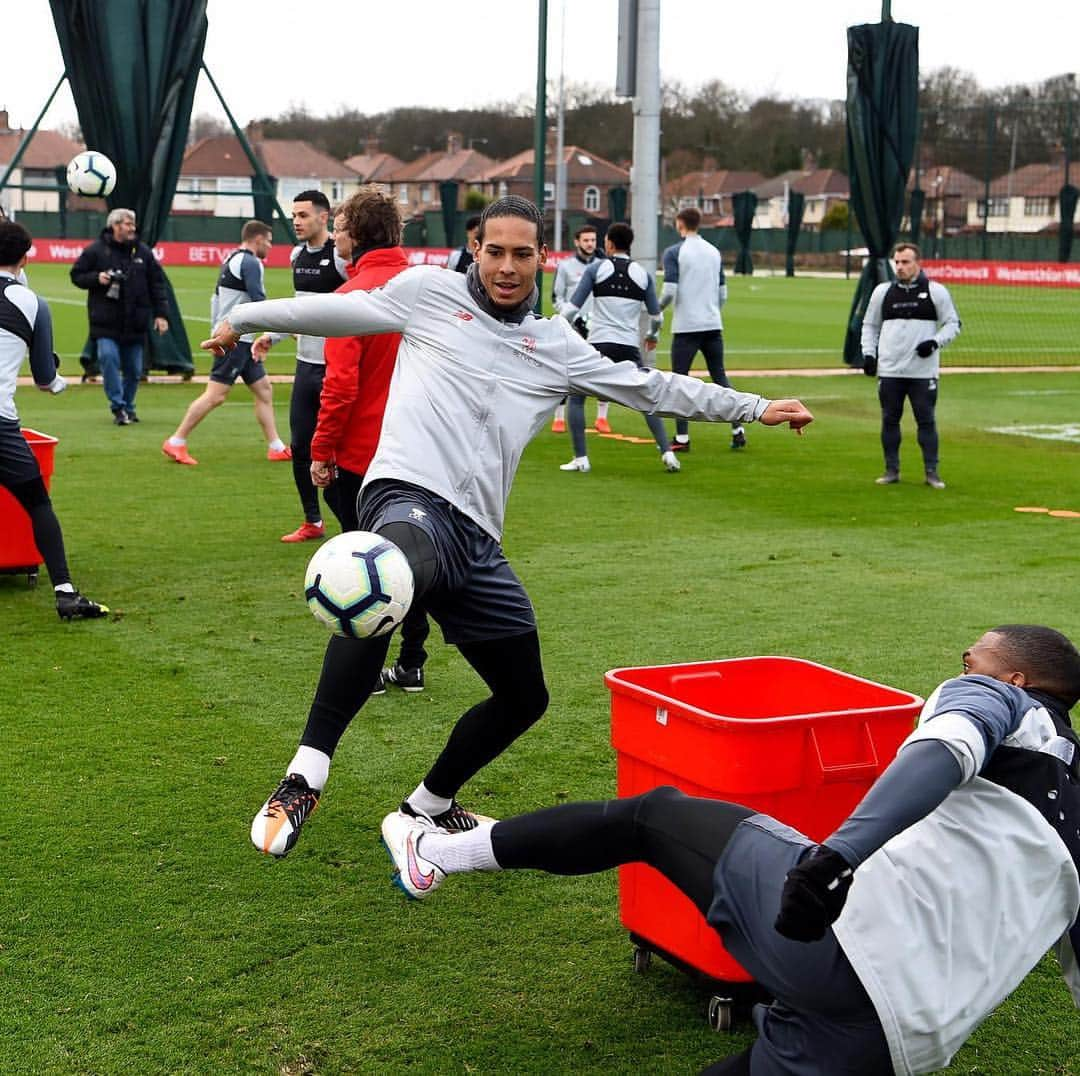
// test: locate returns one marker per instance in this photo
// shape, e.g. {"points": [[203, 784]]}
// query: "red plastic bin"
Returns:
{"points": [[784, 736], [18, 553]]}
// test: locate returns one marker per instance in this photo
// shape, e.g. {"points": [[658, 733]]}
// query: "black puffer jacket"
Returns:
{"points": [[142, 291]]}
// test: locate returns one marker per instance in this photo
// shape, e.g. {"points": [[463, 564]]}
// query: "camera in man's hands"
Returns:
{"points": [[116, 278]]}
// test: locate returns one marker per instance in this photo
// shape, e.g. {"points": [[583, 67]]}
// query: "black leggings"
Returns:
{"points": [[303, 417], [48, 537], [684, 346], [922, 392], [680, 836], [510, 667]]}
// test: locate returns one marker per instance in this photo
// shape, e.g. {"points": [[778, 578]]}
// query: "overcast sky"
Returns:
{"points": [[269, 54]]}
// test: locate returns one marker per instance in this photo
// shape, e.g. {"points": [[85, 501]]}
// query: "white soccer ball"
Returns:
{"points": [[359, 584], [91, 174]]}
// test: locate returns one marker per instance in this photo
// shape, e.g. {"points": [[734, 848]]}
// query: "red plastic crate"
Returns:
{"points": [[18, 553], [784, 736]]}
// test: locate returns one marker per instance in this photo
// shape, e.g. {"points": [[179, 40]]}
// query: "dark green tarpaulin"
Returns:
{"points": [[796, 206], [744, 205], [1067, 202], [617, 204], [133, 65], [448, 195], [882, 125]]}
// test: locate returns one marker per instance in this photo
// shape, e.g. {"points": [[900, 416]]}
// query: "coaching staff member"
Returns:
{"points": [[477, 376], [907, 323], [127, 289]]}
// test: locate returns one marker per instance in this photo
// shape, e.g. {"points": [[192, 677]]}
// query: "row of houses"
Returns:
{"points": [[216, 181]]}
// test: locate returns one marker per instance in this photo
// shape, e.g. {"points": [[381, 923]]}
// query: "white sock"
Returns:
{"points": [[177, 442], [428, 802], [65, 588], [276, 445], [735, 429], [454, 853], [682, 438], [312, 764], [560, 413], [601, 408]]}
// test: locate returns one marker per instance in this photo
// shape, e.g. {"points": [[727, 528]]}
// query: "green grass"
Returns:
{"points": [[770, 322], [141, 933]]}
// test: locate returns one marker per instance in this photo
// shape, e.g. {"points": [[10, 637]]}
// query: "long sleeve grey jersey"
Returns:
{"points": [[469, 391], [893, 340]]}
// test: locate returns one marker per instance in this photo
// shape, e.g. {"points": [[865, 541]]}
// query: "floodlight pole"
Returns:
{"points": [[14, 162], [645, 170], [540, 119]]}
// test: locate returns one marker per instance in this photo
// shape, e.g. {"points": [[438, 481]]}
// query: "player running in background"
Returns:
{"points": [[240, 281], [694, 281], [476, 377], [567, 278], [619, 288], [886, 946], [316, 270], [367, 236], [26, 325]]}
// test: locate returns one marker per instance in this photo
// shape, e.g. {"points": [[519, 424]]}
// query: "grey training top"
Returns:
{"points": [[469, 390]]}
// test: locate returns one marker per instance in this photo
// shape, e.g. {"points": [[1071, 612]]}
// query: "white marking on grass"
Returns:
{"points": [[1069, 431]]}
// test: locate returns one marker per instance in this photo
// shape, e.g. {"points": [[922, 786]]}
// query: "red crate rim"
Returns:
{"points": [[36, 437], [613, 679]]}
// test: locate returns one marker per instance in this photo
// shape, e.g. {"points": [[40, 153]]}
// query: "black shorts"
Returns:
{"points": [[475, 596], [619, 352], [17, 463], [237, 363]]}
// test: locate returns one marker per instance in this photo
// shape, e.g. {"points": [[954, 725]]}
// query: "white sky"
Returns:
{"points": [[373, 55]]}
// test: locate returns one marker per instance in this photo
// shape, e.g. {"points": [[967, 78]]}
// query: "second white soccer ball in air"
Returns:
{"points": [[359, 584], [91, 174]]}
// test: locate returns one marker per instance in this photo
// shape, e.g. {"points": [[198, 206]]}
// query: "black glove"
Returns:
{"points": [[926, 348], [814, 895], [869, 365]]}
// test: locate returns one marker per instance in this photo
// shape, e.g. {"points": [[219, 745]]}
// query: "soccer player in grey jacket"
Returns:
{"points": [[886, 946], [906, 325], [477, 375]]}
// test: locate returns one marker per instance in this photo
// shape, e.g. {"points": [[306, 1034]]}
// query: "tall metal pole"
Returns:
{"points": [[560, 131], [990, 126], [540, 121], [645, 171]]}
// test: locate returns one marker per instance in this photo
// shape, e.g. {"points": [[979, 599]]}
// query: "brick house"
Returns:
{"points": [[46, 151], [710, 191], [415, 185]]}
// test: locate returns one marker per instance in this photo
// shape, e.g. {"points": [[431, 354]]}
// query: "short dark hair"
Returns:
{"points": [[621, 236], [15, 241], [583, 229], [513, 205], [253, 229], [1047, 659], [690, 216], [316, 198], [371, 219], [472, 222], [905, 244]]}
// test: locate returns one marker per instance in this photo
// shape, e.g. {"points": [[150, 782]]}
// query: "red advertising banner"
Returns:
{"points": [[213, 254], [1028, 274]]}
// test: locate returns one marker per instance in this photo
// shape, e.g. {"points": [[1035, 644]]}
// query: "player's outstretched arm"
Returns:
{"points": [[224, 339], [794, 412]]}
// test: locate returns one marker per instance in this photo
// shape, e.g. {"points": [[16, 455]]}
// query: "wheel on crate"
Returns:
{"points": [[32, 577], [721, 1013], [642, 959]]}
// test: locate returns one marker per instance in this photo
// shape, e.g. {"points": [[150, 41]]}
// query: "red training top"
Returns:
{"points": [[358, 372]]}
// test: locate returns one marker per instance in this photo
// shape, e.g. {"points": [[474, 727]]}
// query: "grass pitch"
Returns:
{"points": [[142, 933]]}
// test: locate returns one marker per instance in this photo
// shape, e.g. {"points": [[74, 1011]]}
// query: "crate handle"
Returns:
{"points": [[847, 771], [705, 674]]}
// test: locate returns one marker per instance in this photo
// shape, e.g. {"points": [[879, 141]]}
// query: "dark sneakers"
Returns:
{"points": [[889, 478], [455, 819], [71, 605], [738, 438], [411, 680], [934, 480], [680, 446], [120, 418], [277, 825]]}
